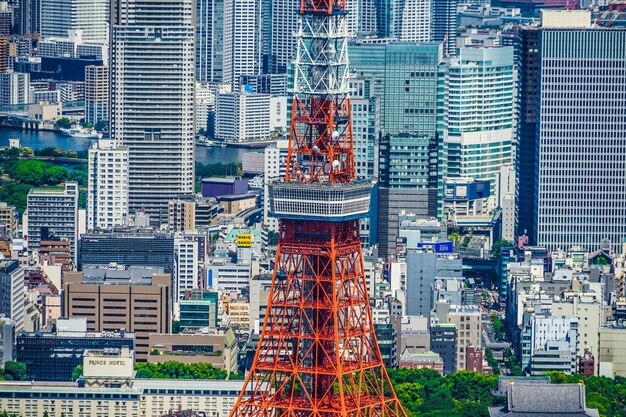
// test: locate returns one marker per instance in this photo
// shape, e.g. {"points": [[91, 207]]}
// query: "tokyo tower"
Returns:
{"points": [[317, 353]]}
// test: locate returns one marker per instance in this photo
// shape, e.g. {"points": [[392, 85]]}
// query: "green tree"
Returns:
{"points": [[497, 247], [15, 194], [101, 125], [55, 175], [176, 326], [77, 372], [15, 371], [64, 123], [26, 151], [29, 172]]}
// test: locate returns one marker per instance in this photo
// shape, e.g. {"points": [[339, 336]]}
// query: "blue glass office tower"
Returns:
{"points": [[581, 182], [409, 78]]}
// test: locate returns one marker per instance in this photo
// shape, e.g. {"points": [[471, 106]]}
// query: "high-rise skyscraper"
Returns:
{"points": [[96, 94], [479, 113], [241, 40], [152, 99], [581, 186], [209, 40], [411, 21], [284, 22], [409, 169], [527, 149], [443, 24], [410, 79], [90, 16]]}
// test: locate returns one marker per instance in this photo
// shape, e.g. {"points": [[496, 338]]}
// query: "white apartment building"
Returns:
{"points": [[242, 117], [186, 257], [107, 200], [91, 16], [152, 100], [14, 88], [241, 51], [54, 210]]}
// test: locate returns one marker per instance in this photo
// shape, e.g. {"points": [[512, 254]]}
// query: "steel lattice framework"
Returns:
{"points": [[317, 353]]}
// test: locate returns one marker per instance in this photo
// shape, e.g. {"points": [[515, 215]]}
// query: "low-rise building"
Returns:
{"points": [[144, 397], [215, 346], [544, 399], [53, 355]]}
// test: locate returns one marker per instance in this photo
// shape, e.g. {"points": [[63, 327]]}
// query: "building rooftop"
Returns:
{"points": [[544, 400], [219, 180], [119, 274]]}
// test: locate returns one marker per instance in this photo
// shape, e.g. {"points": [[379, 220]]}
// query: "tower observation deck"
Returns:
{"points": [[317, 353]]}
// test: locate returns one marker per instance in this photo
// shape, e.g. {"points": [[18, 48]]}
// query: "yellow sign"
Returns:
{"points": [[244, 240]]}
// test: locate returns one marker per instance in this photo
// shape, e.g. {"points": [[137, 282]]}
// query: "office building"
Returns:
{"points": [[209, 40], [12, 293], [199, 309], [443, 24], [479, 121], [581, 200], [91, 16], [127, 248], [467, 320], [284, 23], [96, 94], [14, 88], [423, 269], [241, 46], [527, 156], [242, 117], [443, 341], [53, 211], [53, 355], [151, 104], [107, 198], [135, 299], [215, 346], [410, 171], [366, 110]]}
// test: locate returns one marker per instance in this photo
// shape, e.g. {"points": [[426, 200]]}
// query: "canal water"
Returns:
{"points": [[45, 139]]}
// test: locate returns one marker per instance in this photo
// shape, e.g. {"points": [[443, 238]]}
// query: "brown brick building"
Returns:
{"points": [[136, 299]]}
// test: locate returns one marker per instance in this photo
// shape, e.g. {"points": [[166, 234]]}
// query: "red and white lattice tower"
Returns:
{"points": [[317, 353]]}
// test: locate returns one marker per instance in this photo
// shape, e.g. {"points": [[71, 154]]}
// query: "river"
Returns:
{"points": [[45, 139]]}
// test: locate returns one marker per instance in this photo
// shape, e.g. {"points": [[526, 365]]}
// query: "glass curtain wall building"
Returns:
{"points": [[480, 109]]}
